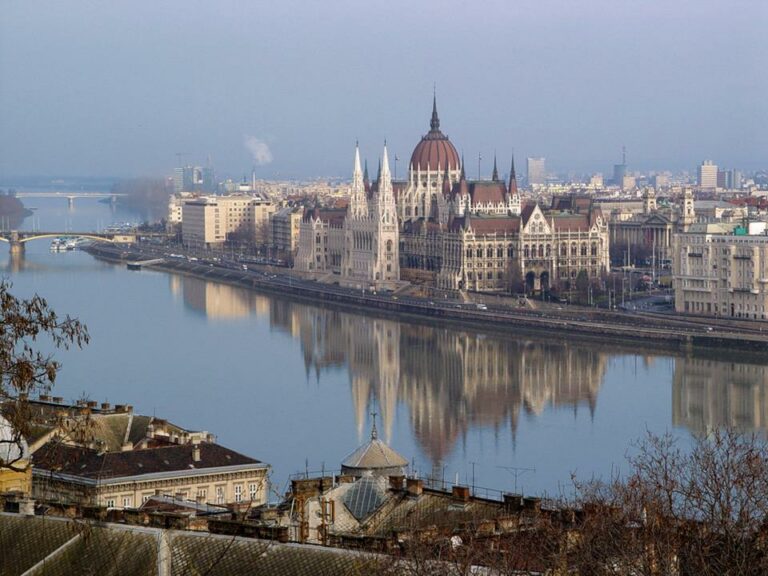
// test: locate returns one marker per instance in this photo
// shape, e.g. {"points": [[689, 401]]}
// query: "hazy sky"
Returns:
{"points": [[117, 87]]}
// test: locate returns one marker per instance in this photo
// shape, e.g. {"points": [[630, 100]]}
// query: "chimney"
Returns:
{"points": [[513, 502], [119, 408], [126, 447], [461, 493], [532, 504], [58, 399], [45, 398], [91, 404], [396, 482], [27, 507], [414, 486], [196, 452]]}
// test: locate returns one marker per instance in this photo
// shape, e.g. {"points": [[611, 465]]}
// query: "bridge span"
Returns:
{"points": [[17, 238], [70, 196]]}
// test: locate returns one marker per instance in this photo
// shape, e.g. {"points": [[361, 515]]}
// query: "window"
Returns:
{"points": [[253, 490], [127, 501], [219, 494], [111, 503], [238, 492]]}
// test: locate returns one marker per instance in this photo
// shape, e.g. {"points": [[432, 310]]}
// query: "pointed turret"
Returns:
{"points": [[434, 123], [512, 188], [358, 205], [446, 183], [495, 175], [385, 178]]}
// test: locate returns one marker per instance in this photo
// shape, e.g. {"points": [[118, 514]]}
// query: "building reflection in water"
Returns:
{"points": [[453, 380], [709, 394]]}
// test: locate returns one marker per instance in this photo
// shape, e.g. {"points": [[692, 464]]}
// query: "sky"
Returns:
{"points": [[119, 88]]}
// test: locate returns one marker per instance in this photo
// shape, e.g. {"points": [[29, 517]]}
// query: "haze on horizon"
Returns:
{"points": [[91, 88]]}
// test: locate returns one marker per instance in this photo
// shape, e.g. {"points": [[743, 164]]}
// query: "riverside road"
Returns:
{"points": [[652, 329]]}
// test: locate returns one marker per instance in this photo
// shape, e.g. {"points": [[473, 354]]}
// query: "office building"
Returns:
{"points": [[707, 175], [537, 171]]}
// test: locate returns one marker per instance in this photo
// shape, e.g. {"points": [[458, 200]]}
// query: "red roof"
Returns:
{"points": [[487, 191]]}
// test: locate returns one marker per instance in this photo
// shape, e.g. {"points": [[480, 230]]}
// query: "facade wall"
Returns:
{"points": [[208, 221], [721, 275], [214, 488]]}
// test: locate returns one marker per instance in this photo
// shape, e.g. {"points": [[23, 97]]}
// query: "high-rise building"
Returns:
{"points": [[194, 179], [537, 171], [707, 175]]}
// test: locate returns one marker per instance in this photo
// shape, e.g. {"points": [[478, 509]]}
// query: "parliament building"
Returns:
{"points": [[439, 228]]}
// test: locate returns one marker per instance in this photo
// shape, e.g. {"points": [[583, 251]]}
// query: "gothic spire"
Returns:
{"points": [[495, 175], [358, 170], [365, 171], [434, 124], [462, 176], [512, 177]]}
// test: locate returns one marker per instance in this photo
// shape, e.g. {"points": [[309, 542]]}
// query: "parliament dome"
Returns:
{"points": [[435, 149]]}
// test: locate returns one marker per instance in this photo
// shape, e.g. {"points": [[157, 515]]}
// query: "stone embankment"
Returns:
{"points": [[672, 333]]}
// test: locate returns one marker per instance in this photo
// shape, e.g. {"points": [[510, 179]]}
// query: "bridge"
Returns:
{"points": [[17, 238], [70, 196]]}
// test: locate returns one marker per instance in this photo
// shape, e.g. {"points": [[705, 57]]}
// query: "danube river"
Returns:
{"points": [[295, 385]]}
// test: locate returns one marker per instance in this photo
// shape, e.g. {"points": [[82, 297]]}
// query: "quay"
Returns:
{"points": [[138, 264], [672, 333]]}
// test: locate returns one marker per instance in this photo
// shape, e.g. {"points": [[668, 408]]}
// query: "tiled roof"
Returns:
{"points": [[494, 224], [574, 222], [90, 464], [59, 547], [484, 192]]}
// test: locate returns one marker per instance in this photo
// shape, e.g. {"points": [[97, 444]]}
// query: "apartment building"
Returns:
{"points": [[721, 269]]}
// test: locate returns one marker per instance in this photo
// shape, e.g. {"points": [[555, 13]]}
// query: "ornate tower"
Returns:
{"points": [[688, 216], [386, 265], [513, 195]]}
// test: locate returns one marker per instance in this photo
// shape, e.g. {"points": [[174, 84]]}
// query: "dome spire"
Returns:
{"points": [[434, 124]]}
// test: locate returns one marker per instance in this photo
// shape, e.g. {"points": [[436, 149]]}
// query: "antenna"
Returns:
{"points": [[517, 471]]}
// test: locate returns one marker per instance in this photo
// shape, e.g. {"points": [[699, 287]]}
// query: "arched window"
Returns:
{"points": [[389, 245]]}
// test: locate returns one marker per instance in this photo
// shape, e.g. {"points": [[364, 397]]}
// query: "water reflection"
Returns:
{"points": [[708, 394], [452, 380]]}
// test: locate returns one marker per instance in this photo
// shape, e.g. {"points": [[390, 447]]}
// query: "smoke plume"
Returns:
{"points": [[258, 149]]}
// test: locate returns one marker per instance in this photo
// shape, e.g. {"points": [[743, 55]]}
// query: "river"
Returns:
{"points": [[295, 385]]}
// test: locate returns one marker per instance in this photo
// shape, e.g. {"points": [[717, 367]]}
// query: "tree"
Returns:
{"points": [[24, 368], [698, 511]]}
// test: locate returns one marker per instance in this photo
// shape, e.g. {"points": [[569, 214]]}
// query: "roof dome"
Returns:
{"points": [[435, 149], [376, 457]]}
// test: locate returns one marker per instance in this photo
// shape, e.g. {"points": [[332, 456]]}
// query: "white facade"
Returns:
{"points": [[722, 270], [208, 221]]}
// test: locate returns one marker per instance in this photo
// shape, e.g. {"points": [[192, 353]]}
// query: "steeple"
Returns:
{"points": [[434, 124], [512, 189], [365, 171], [385, 177], [495, 175], [462, 176], [358, 170]]}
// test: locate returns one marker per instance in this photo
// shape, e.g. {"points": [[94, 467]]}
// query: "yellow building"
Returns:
{"points": [[15, 471]]}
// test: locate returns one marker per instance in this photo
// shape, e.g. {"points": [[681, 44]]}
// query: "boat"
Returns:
{"points": [[58, 245]]}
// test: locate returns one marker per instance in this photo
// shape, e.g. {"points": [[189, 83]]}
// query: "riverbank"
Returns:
{"points": [[672, 334]]}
